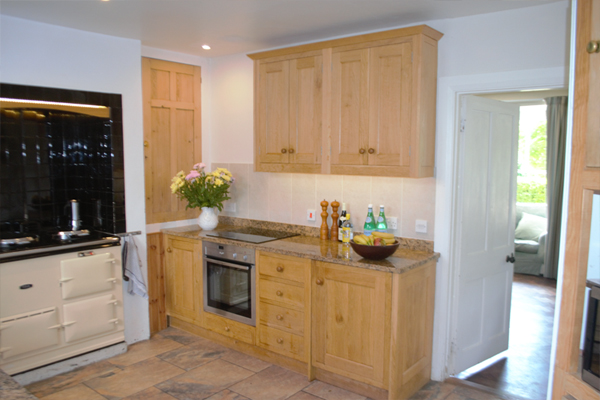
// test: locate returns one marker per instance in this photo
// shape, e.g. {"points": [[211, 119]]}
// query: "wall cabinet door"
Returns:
{"points": [[288, 114], [183, 278], [351, 314], [172, 134]]}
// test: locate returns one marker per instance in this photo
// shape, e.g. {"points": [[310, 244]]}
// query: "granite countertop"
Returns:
{"points": [[11, 390], [408, 256]]}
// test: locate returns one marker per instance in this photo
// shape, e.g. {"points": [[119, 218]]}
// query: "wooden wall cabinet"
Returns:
{"points": [[377, 105], [183, 278], [288, 121]]}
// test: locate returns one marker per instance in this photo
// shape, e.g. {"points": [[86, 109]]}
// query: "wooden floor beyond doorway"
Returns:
{"points": [[523, 369]]}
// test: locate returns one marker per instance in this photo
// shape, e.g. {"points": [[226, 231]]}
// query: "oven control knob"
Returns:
{"points": [[245, 258], [234, 255]]}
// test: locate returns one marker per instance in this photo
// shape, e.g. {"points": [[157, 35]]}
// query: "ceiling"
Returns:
{"points": [[244, 26]]}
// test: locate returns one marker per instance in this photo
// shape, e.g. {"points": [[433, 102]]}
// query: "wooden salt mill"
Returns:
{"points": [[334, 220], [324, 228]]}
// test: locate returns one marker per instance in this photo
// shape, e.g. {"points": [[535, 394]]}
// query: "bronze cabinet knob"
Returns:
{"points": [[280, 269], [146, 144], [319, 282], [362, 151], [371, 150], [279, 317], [593, 46], [279, 293], [169, 250], [279, 340], [283, 151], [227, 329], [291, 151]]}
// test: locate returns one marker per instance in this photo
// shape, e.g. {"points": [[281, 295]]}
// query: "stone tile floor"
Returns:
{"points": [[174, 364]]}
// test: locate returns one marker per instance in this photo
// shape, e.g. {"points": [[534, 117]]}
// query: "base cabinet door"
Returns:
{"points": [[183, 278], [351, 314]]}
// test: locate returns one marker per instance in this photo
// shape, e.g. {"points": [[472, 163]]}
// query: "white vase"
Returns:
{"points": [[208, 219]]}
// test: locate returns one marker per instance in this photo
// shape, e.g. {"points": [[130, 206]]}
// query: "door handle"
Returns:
{"points": [[511, 258]]}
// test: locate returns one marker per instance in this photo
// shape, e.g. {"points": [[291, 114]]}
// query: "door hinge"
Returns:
{"points": [[410, 151], [463, 123]]}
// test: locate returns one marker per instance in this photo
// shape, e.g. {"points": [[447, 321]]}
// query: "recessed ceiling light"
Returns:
{"points": [[206, 47]]}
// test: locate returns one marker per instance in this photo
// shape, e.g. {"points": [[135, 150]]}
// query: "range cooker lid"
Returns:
{"points": [[252, 235]]}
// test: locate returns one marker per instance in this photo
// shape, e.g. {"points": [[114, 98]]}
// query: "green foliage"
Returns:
{"points": [[537, 151], [531, 192]]}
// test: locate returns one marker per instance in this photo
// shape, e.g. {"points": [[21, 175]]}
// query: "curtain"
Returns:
{"points": [[556, 130]]}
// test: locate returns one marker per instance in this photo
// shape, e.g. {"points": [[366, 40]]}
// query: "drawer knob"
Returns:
{"points": [[279, 293], [169, 250], [291, 151], [280, 269], [319, 281], [279, 340], [279, 317], [371, 150], [283, 151], [362, 151], [227, 329]]}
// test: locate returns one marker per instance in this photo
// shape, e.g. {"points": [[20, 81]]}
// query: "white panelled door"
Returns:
{"points": [[485, 229]]}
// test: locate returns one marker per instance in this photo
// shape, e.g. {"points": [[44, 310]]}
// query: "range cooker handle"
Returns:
{"points": [[226, 264]]}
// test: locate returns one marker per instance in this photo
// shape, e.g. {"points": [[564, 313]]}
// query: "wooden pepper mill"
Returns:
{"points": [[324, 228], [334, 217]]}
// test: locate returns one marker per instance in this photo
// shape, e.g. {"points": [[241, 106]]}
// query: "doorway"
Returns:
{"points": [[523, 369]]}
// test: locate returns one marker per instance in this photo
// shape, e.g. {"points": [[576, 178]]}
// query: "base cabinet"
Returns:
{"points": [[183, 278], [351, 316]]}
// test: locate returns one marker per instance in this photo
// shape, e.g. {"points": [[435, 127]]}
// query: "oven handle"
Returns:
{"points": [[226, 264]]}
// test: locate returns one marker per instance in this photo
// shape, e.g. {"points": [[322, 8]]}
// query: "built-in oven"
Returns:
{"points": [[229, 281]]}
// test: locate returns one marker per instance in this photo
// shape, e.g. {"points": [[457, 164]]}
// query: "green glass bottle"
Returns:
{"points": [[369, 226], [381, 221]]}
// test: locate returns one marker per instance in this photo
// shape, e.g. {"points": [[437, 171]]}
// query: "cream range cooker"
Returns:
{"points": [[58, 301]]}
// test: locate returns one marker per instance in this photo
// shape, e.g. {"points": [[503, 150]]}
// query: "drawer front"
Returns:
{"points": [[281, 342], [281, 317], [286, 295], [293, 269], [226, 327]]}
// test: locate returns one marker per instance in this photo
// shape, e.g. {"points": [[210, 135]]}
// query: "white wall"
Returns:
{"points": [[38, 54]]}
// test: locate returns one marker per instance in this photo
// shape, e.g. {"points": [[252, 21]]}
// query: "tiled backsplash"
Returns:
{"points": [[281, 197], [50, 157]]}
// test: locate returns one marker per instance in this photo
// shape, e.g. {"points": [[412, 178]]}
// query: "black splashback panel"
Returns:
{"points": [[49, 157]]}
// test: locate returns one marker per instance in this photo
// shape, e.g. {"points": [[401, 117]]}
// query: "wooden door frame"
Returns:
{"points": [[447, 155]]}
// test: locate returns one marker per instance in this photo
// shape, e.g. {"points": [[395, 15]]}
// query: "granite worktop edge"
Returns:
{"points": [[402, 261], [11, 390]]}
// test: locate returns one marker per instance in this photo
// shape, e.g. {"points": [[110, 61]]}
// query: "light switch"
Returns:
{"points": [[421, 226], [310, 215]]}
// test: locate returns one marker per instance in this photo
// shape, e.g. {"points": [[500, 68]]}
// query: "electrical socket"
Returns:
{"points": [[421, 226], [310, 215], [392, 223]]}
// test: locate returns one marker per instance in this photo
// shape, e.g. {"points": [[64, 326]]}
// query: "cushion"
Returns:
{"points": [[530, 227], [527, 246]]}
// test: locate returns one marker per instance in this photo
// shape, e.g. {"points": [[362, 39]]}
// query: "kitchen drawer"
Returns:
{"points": [[285, 294], [226, 327], [281, 317], [282, 342], [291, 268]]}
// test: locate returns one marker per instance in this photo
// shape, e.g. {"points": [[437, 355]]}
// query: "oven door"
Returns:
{"points": [[229, 289]]}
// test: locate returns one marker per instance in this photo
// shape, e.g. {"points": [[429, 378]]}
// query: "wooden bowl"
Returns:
{"points": [[374, 252]]}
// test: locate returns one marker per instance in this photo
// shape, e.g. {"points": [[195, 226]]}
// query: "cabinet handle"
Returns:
{"points": [[283, 151], [227, 329], [319, 282], [169, 250], [279, 293], [371, 150], [146, 144], [279, 317], [280, 269], [279, 340], [593, 47], [362, 151], [291, 151]]}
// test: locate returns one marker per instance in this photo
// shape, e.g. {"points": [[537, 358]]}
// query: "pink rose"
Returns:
{"points": [[192, 175], [199, 166]]}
